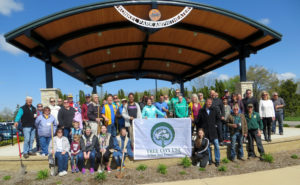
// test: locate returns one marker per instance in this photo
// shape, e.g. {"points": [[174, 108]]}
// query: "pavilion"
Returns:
{"points": [[113, 40]]}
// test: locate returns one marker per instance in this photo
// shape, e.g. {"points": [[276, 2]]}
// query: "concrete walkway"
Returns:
{"points": [[282, 176]]}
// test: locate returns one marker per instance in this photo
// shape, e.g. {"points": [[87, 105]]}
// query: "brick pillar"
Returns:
{"points": [[46, 94], [241, 87]]}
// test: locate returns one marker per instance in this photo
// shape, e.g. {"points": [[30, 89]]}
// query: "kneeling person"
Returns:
{"points": [[106, 147], [201, 154], [122, 144], [238, 129]]}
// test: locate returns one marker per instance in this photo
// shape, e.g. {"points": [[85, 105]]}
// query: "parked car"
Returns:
{"points": [[5, 132]]}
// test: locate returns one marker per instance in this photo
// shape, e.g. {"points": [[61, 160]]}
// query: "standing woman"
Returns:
{"points": [[150, 111], [43, 124], [267, 114], [60, 149], [194, 107], [200, 153]]}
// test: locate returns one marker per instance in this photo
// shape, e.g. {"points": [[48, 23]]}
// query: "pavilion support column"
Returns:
{"points": [[182, 87], [243, 72], [94, 88], [49, 76]]}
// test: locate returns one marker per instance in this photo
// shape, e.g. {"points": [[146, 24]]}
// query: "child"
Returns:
{"points": [[75, 149], [200, 153], [75, 130]]}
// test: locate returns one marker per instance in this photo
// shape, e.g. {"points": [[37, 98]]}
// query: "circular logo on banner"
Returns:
{"points": [[162, 134], [154, 15]]}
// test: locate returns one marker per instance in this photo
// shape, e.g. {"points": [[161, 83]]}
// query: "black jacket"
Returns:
{"points": [[65, 117], [88, 143], [218, 106], [251, 100], [27, 118], [208, 122], [94, 111], [203, 149], [110, 145]]}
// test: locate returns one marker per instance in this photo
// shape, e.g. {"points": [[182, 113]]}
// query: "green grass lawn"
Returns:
{"points": [[292, 118]]}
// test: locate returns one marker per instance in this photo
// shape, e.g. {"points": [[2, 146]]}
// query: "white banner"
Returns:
{"points": [[162, 138]]}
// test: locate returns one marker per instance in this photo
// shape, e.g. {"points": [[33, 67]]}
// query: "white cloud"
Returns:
{"points": [[8, 47], [223, 77], [265, 21], [7, 6], [286, 76]]}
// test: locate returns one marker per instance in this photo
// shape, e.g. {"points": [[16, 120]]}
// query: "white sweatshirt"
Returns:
{"points": [[266, 109]]}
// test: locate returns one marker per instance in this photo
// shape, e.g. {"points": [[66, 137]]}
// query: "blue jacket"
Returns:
{"points": [[151, 111], [160, 107], [119, 149], [44, 125], [121, 121]]}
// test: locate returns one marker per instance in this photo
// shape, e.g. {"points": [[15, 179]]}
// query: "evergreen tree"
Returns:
{"points": [[136, 97], [81, 97]]}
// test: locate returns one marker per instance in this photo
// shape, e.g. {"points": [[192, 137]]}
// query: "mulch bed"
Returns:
{"points": [[132, 176]]}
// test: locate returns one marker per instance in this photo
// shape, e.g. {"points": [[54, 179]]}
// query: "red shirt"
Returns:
{"points": [[84, 110], [75, 147]]}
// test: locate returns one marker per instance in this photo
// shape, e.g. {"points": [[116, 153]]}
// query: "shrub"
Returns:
{"points": [[100, 176], [58, 182], [236, 166], [186, 162], [78, 179], [202, 169], [182, 172], [141, 167], [294, 156], [286, 125], [7, 177], [268, 158], [225, 160], [297, 126], [162, 169], [42, 174], [222, 169]]}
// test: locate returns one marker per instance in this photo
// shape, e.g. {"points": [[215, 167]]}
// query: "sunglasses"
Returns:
{"points": [[40, 106], [52, 101]]}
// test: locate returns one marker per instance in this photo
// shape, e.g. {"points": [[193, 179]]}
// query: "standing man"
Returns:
{"points": [[249, 99], [60, 102], [94, 114], [39, 112], [174, 101], [255, 126], [162, 106], [201, 99], [116, 101], [109, 112], [131, 111], [84, 109], [54, 108], [207, 118], [27, 115], [219, 107], [227, 95], [278, 106], [70, 100], [65, 118]]}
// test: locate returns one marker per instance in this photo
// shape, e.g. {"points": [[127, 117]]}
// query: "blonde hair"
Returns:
{"points": [[195, 96], [265, 92], [76, 137], [75, 122]]}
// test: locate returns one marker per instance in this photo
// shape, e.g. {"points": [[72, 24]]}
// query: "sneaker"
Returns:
{"points": [[25, 156], [73, 169], [210, 162], [217, 164], [108, 169], [43, 155], [233, 160], [198, 164], [99, 170], [31, 153], [52, 171], [92, 170], [65, 172], [83, 171], [61, 174], [77, 170], [241, 159], [118, 168], [281, 133]]}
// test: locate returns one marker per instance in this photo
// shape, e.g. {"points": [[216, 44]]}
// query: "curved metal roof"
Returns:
{"points": [[96, 44]]}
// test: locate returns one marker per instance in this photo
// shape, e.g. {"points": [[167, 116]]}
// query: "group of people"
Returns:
{"points": [[93, 132]]}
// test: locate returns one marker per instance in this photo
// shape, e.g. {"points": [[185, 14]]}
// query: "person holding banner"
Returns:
{"points": [[207, 119], [122, 145], [109, 112], [181, 108], [130, 111], [201, 154], [173, 102], [150, 111]]}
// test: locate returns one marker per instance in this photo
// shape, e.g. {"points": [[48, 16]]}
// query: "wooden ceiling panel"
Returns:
{"points": [[174, 53], [109, 55], [196, 40], [101, 39], [26, 41], [218, 22], [168, 67], [119, 67], [261, 41]]}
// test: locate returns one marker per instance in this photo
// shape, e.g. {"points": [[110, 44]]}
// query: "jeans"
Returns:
{"points": [[202, 158], [112, 129], [252, 135], [237, 137], [118, 157], [29, 134], [67, 134], [91, 159], [37, 140], [62, 161], [44, 142], [74, 160], [220, 130], [216, 149], [226, 135], [279, 118]]}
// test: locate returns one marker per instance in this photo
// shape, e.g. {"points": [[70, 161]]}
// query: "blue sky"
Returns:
{"points": [[22, 75]]}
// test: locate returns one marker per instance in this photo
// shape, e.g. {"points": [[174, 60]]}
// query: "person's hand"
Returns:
{"points": [[85, 155], [192, 118], [166, 116], [16, 124], [258, 133], [52, 152], [131, 118], [145, 117], [273, 118], [171, 114], [63, 153], [234, 125], [106, 120], [222, 118], [70, 133], [98, 120], [124, 150], [104, 150]]}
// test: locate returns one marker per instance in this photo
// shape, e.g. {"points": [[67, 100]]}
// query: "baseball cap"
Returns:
{"points": [[124, 99], [87, 95], [70, 96], [250, 105], [226, 90]]}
